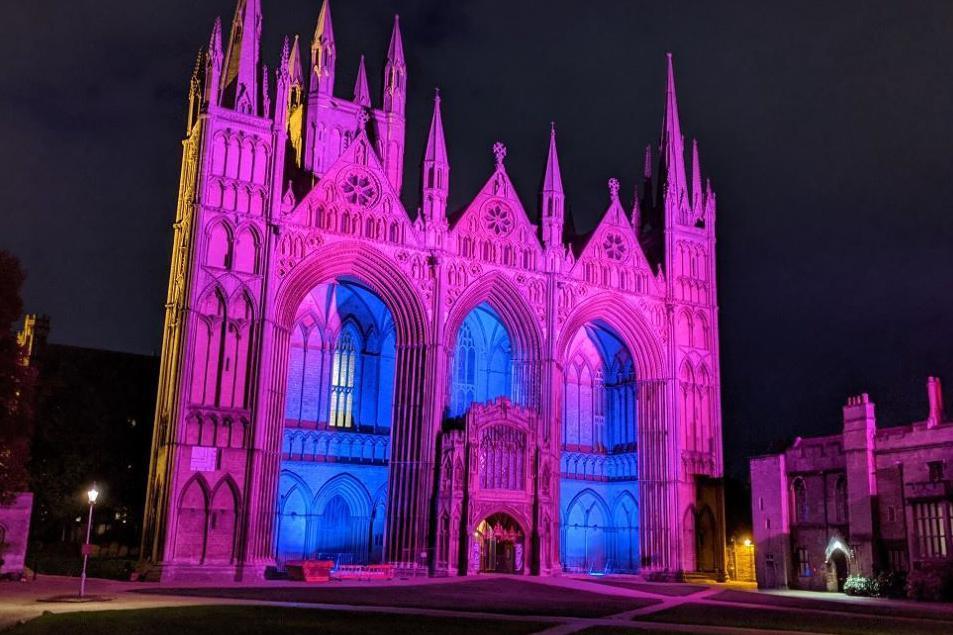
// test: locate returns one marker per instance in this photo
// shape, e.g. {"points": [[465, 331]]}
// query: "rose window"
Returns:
{"points": [[359, 189], [614, 247], [499, 219]]}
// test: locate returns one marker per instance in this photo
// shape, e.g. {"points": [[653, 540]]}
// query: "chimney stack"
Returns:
{"points": [[935, 397]]}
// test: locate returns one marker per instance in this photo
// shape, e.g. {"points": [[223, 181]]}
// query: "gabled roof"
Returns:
{"points": [[496, 212], [613, 240]]}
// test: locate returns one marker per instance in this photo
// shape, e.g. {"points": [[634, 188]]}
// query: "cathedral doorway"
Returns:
{"points": [[500, 541]]}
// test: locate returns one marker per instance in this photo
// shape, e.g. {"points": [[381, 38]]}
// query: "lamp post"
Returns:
{"points": [[92, 495]]}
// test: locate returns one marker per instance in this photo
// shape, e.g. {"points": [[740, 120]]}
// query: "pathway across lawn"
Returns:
{"points": [[504, 595], [497, 605]]}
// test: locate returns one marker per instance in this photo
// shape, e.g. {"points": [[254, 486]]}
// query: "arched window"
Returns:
{"points": [[464, 372], [800, 501], [343, 375], [840, 499]]}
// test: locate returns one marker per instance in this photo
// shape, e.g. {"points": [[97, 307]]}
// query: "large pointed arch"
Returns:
{"points": [[412, 438], [519, 320]]}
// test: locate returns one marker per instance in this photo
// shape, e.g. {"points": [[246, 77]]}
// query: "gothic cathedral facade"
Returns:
{"points": [[463, 392]]}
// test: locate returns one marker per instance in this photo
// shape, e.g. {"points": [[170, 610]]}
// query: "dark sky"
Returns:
{"points": [[827, 130]]}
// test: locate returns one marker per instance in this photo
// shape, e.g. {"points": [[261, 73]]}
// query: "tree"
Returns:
{"points": [[16, 384]]}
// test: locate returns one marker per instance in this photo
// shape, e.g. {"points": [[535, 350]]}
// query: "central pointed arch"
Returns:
{"points": [[520, 322], [411, 440]]}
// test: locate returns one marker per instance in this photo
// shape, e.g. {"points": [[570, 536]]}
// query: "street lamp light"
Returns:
{"points": [[92, 495]]}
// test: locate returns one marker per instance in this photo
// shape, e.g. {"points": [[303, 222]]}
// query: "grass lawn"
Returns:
{"points": [[497, 595], [242, 620], [794, 620], [658, 588]]}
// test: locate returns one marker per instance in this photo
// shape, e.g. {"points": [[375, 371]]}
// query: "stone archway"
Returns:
{"points": [[499, 545]]}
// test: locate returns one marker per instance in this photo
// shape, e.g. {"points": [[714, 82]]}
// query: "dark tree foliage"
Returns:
{"points": [[16, 383]]}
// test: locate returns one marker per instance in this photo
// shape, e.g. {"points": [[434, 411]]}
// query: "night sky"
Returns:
{"points": [[826, 128]]}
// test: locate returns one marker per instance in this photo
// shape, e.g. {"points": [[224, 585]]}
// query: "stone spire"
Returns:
{"points": [[671, 148], [553, 196], [295, 72], [395, 73], [323, 53], [436, 176], [362, 94], [240, 82], [213, 71], [696, 180]]}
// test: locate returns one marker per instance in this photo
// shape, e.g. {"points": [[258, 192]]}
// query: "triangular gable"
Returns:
{"points": [[354, 195], [496, 214], [612, 245]]}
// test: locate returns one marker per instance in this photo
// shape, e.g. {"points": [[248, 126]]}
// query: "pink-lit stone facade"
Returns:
{"points": [[327, 355], [864, 501]]}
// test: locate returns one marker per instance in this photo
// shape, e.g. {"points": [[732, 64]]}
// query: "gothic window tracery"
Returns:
{"points": [[359, 188], [615, 247], [502, 458], [498, 219], [343, 374]]}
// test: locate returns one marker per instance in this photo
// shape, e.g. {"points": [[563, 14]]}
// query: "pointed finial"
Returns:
{"points": [[285, 56], [362, 94], [552, 179], [614, 190], [395, 51], [436, 94], [499, 151], [647, 166], [696, 173], [215, 41], [324, 31]]}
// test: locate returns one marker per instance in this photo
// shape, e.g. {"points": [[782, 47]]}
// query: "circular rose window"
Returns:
{"points": [[498, 219], [614, 246], [358, 188]]}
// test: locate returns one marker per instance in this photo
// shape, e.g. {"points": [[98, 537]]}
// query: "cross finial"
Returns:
{"points": [[499, 151], [614, 189], [362, 118]]}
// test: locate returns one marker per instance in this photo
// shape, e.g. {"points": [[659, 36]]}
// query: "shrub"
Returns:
{"points": [[892, 584], [931, 582], [861, 586]]}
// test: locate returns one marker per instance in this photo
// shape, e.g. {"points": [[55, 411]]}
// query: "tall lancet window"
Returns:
{"points": [[343, 373], [465, 372]]}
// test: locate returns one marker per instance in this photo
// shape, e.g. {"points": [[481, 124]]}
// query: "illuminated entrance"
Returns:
{"points": [[500, 541]]}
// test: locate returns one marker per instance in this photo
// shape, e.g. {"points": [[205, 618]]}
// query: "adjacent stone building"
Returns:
{"points": [[860, 502]]}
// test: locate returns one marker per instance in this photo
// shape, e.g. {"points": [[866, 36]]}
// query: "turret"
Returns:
{"points": [[552, 197], [240, 80], [436, 170], [213, 64], [283, 87], [323, 53], [395, 73]]}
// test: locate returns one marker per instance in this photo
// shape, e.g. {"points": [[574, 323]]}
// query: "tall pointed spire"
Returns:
{"points": [[672, 145], [362, 94], [213, 72], [553, 196], [240, 81], [295, 73], [436, 176], [323, 52], [395, 73]]}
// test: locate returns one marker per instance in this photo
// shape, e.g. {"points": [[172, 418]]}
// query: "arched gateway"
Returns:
{"points": [[466, 392]]}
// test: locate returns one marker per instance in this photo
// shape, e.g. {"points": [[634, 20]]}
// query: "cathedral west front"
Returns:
{"points": [[460, 391]]}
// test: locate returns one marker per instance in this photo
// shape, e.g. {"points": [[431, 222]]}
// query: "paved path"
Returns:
{"points": [[20, 602]]}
